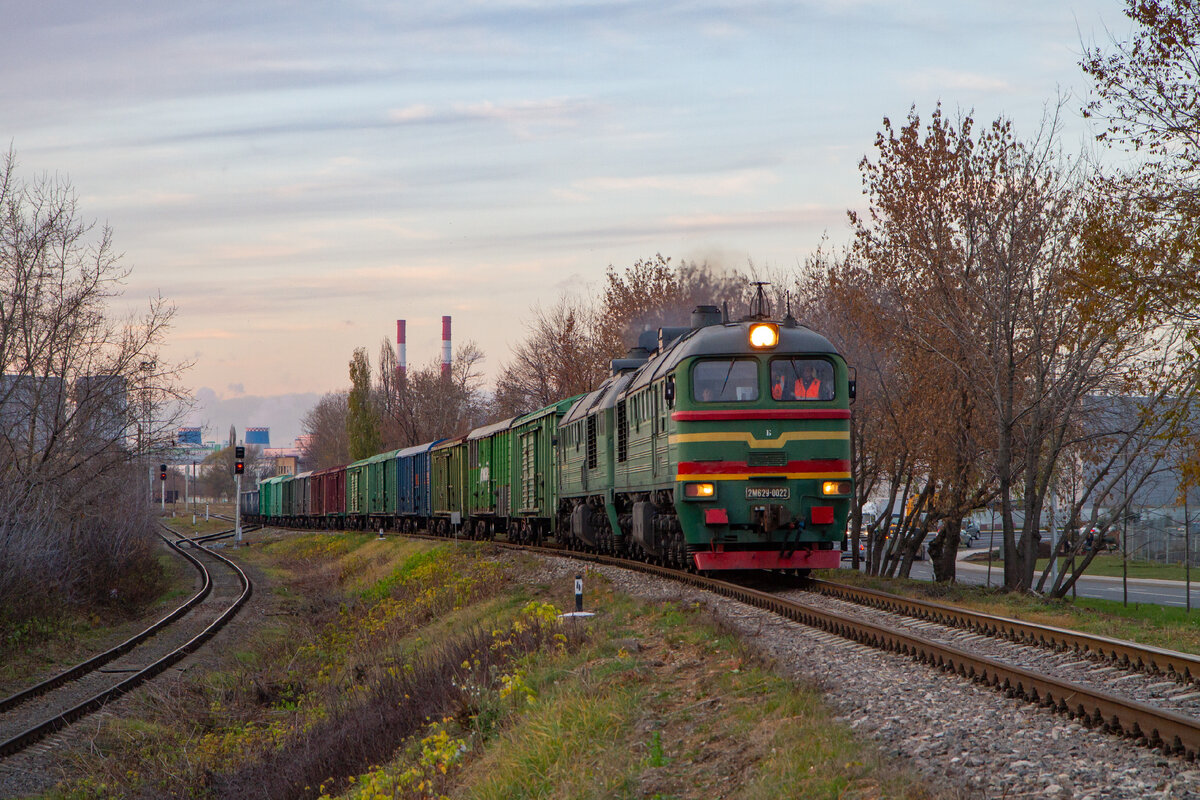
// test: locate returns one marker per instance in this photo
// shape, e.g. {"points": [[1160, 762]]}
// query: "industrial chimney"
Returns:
{"points": [[402, 354], [446, 348]]}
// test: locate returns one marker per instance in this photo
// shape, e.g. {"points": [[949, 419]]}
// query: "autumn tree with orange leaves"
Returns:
{"points": [[1147, 99], [973, 252]]}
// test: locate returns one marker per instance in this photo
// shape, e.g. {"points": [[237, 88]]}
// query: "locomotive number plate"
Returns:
{"points": [[768, 493]]}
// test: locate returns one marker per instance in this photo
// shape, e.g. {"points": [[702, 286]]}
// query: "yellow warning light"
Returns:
{"points": [[699, 490], [764, 334]]}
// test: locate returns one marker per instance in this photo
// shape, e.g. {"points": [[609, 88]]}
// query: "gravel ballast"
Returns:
{"points": [[969, 740]]}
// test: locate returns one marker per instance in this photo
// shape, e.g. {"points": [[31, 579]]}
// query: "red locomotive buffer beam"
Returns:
{"points": [[768, 559]]}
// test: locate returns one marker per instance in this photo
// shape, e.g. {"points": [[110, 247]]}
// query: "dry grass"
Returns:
{"points": [[404, 670], [665, 704]]}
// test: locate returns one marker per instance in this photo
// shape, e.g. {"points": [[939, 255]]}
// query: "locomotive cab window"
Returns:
{"points": [[725, 381], [802, 379]]}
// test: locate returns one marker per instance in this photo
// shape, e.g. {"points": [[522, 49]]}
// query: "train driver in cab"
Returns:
{"points": [[807, 385]]}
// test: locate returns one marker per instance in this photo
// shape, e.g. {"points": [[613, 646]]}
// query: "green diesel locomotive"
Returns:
{"points": [[721, 446]]}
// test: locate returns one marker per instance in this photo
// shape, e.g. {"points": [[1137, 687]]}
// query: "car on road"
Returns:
{"points": [[848, 553], [922, 553]]}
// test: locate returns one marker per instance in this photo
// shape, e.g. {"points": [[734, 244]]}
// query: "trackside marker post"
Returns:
{"points": [[578, 612]]}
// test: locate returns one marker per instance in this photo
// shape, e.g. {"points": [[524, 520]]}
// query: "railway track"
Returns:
{"points": [[1183, 668], [47, 707], [1146, 693]]}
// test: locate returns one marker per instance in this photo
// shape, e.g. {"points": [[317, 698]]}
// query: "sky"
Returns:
{"points": [[296, 176]]}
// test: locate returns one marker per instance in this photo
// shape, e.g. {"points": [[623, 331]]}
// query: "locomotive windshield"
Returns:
{"points": [[801, 379], [726, 381]]}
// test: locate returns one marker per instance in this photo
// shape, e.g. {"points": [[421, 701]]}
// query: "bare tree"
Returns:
{"points": [[388, 389], [651, 294], [217, 476], [326, 443], [86, 400], [560, 357]]}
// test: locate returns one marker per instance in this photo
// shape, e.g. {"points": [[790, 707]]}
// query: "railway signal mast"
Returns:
{"points": [[239, 467]]}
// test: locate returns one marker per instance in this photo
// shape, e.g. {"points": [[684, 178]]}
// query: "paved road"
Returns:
{"points": [[1141, 590]]}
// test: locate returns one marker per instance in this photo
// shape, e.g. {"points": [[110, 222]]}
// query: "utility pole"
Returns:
{"points": [[1187, 551], [1053, 537]]}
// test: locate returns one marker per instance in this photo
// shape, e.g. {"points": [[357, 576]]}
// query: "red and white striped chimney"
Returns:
{"points": [[402, 354], [445, 347]]}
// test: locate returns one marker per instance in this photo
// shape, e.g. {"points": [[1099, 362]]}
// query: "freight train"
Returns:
{"points": [[720, 446]]}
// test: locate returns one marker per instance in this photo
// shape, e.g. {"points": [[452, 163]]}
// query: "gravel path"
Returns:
{"points": [[970, 741]]}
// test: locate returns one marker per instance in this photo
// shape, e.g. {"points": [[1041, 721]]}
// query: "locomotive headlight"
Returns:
{"points": [[700, 491], [764, 334], [835, 487]]}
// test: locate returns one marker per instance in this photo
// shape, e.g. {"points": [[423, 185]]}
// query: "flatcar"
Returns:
{"points": [[719, 446]]}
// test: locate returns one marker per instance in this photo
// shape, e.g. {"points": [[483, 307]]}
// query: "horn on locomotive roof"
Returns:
{"points": [[789, 321]]}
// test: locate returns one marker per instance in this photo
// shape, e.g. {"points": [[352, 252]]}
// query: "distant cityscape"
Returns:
{"points": [[281, 460]]}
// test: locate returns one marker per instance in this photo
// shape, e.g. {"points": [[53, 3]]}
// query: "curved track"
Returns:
{"points": [[1116, 712], [86, 687]]}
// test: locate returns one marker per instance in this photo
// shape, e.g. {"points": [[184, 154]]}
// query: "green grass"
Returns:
{"points": [[643, 700], [571, 745], [182, 523], [1109, 565], [681, 717]]}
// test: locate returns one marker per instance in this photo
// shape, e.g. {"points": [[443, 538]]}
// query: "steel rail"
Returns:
{"points": [[65, 718], [1157, 727], [1180, 666], [99, 660]]}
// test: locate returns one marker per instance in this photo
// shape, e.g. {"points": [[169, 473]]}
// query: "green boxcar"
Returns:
{"points": [[489, 462], [274, 496], [356, 495], [287, 488], [448, 463], [381, 489], [533, 469], [264, 498]]}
